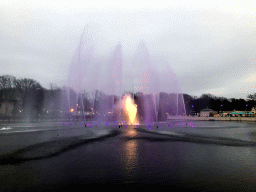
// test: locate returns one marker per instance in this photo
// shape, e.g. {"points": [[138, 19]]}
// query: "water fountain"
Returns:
{"points": [[110, 105], [130, 109], [79, 68], [146, 83], [146, 103]]}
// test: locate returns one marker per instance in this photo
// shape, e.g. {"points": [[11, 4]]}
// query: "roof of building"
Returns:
{"points": [[206, 109]]}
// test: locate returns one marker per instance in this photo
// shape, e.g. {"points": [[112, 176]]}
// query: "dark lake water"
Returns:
{"points": [[191, 155]]}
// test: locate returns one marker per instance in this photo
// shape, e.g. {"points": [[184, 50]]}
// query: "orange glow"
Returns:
{"points": [[131, 109], [72, 110]]}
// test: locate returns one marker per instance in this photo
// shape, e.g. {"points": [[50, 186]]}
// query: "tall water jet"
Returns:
{"points": [[105, 84], [130, 109], [171, 98], [80, 67], [150, 84], [110, 104], [146, 83]]}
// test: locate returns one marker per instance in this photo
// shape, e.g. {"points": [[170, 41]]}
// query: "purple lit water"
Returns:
{"points": [[97, 85]]}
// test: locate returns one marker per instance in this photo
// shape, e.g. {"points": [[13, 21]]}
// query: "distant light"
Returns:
{"points": [[71, 110]]}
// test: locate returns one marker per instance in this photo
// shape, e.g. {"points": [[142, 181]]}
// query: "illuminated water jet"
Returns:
{"points": [[131, 109], [154, 91]]}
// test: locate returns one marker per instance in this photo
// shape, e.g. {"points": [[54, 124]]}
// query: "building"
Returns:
{"points": [[235, 113], [207, 112], [242, 114], [6, 108]]}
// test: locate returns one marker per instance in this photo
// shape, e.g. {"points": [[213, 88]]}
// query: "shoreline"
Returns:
{"points": [[175, 118], [195, 118]]}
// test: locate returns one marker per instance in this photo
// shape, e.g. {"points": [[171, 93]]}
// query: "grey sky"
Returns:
{"points": [[209, 45]]}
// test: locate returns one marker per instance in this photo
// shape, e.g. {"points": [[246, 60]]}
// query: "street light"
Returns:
{"points": [[193, 112]]}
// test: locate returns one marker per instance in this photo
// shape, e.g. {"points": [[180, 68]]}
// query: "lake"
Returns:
{"points": [[200, 155]]}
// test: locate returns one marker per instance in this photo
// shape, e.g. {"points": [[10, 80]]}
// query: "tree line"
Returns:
{"points": [[26, 98], [219, 104]]}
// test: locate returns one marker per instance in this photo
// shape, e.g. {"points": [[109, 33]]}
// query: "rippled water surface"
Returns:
{"points": [[173, 153]]}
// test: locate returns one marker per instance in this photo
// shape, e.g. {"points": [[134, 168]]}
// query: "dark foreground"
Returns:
{"points": [[205, 158]]}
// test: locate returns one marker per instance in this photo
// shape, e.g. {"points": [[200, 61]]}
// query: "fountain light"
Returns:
{"points": [[131, 109]]}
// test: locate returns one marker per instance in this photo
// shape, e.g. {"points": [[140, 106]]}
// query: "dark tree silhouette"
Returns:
{"points": [[8, 95], [28, 91]]}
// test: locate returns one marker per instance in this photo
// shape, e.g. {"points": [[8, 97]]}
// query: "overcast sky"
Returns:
{"points": [[210, 45]]}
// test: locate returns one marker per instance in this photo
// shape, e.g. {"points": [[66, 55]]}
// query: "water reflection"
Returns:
{"points": [[130, 153]]}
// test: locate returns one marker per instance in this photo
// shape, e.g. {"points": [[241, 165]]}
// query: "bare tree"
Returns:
{"points": [[53, 86], [251, 97], [53, 97], [28, 91], [7, 92]]}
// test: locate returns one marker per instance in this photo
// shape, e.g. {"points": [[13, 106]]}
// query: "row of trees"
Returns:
{"points": [[20, 95], [219, 104], [26, 98]]}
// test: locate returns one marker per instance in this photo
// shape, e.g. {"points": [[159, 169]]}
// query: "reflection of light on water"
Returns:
{"points": [[5, 128], [130, 158], [131, 133]]}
